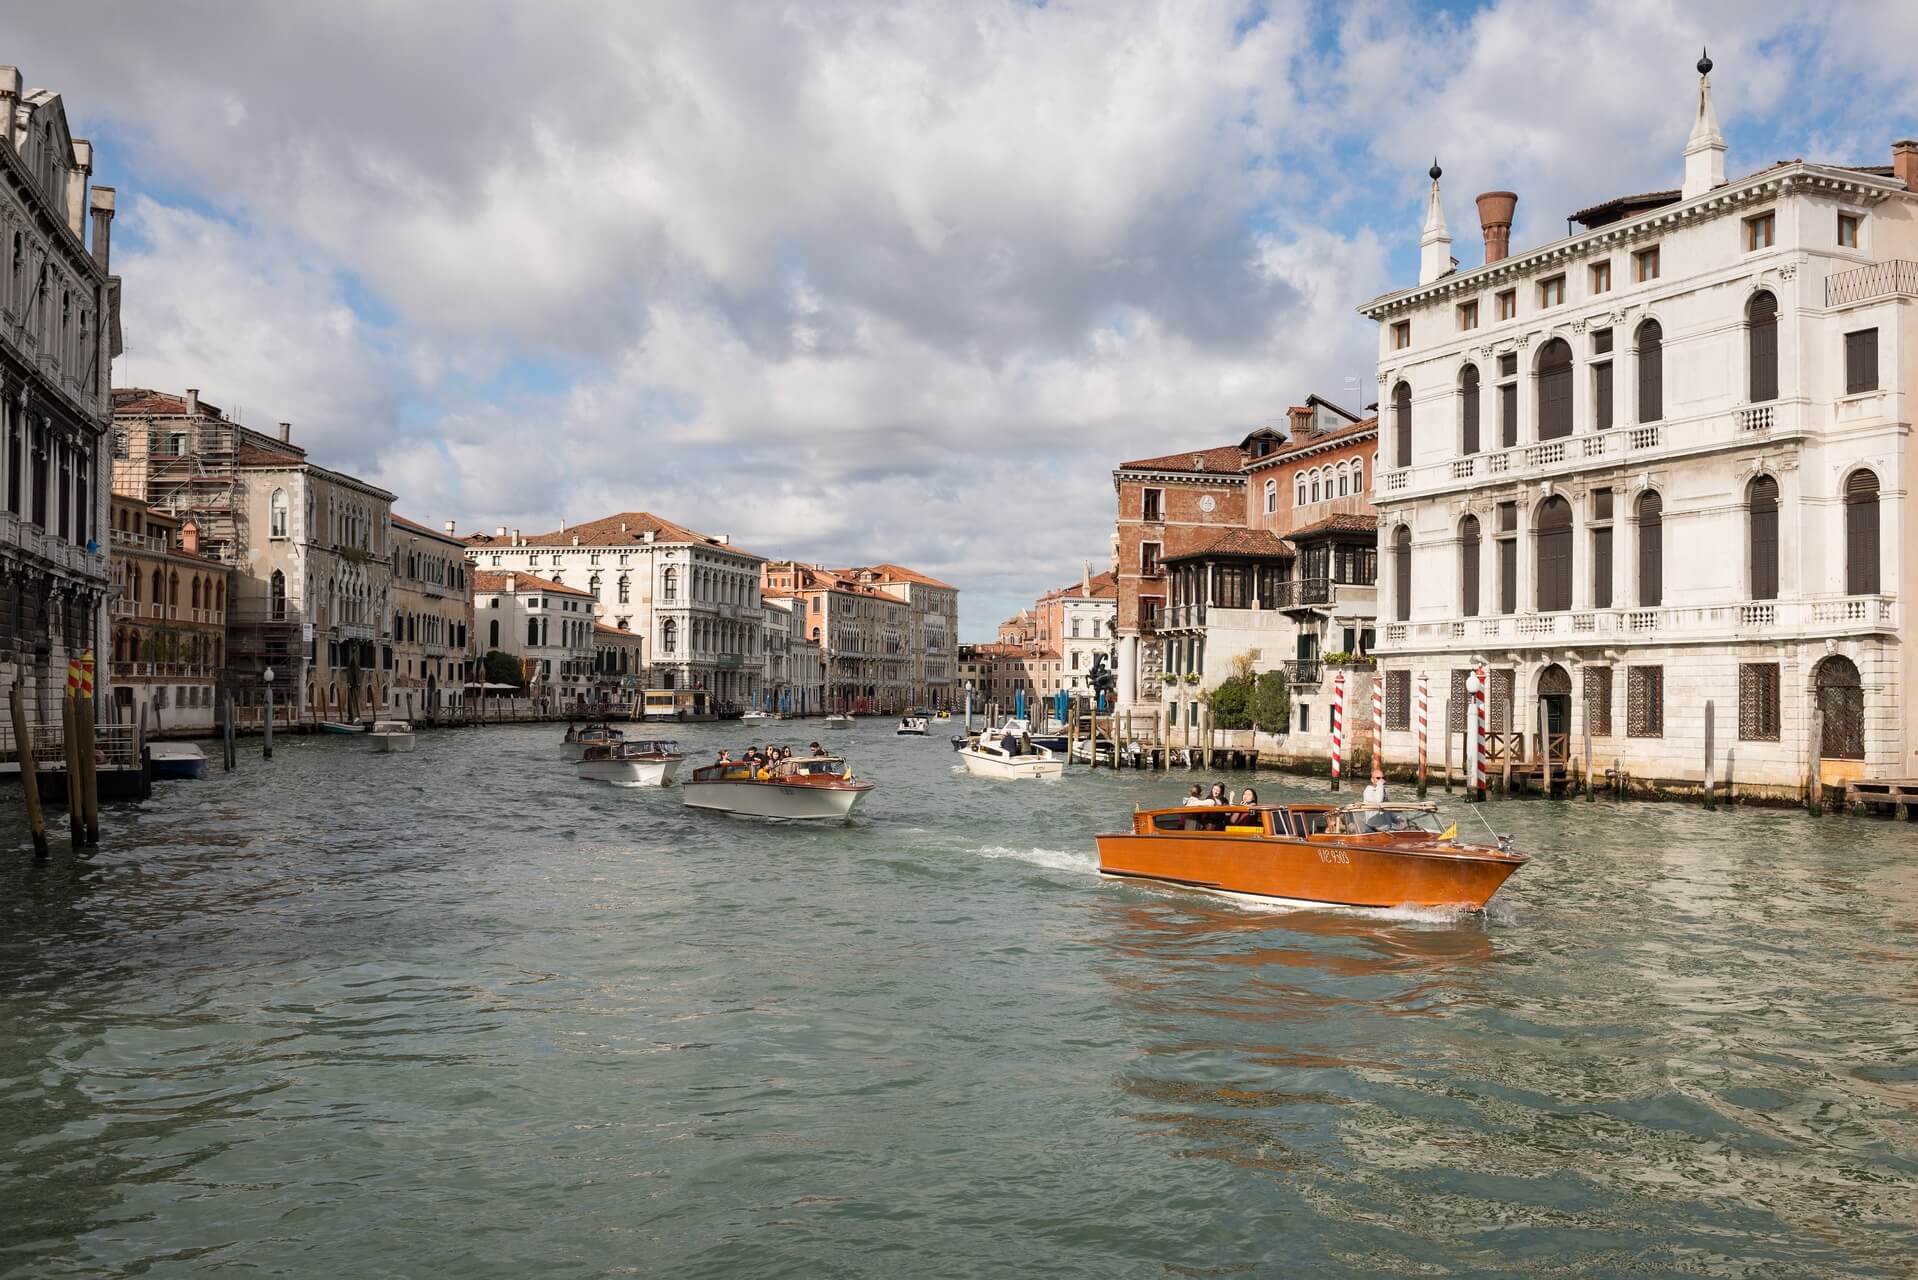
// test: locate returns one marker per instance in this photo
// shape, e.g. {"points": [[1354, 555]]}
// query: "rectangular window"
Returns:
{"points": [[1758, 701], [1401, 334], [1508, 415], [1468, 315], [1507, 303], [1149, 559], [1602, 276], [1598, 701], [1645, 265], [1602, 395], [1508, 365], [1508, 575], [1398, 700], [1848, 230], [1551, 293], [1761, 231], [1602, 567], [1645, 702], [1861, 362], [1154, 505]]}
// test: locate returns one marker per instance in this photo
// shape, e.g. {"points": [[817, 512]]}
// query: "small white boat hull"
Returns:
{"points": [[630, 773], [1040, 765], [177, 760], [391, 741], [839, 722], [772, 800]]}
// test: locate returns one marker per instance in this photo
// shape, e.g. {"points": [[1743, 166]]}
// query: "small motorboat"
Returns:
{"points": [[809, 788], [578, 740], [340, 726], [752, 716], [839, 720], [1009, 752], [176, 760], [641, 762], [943, 715], [392, 735], [911, 727], [1376, 855]]}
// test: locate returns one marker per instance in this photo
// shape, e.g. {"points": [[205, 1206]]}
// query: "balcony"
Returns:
{"points": [[1306, 671], [1775, 421], [1895, 278], [137, 541], [1182, 617], [163, 671], [1805, 618]]}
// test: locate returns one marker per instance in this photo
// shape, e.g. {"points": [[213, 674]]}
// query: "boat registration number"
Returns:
{"points": [[1334, 855]]}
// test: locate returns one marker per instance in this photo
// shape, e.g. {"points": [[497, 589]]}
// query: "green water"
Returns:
{"points": [[460, 1014]]}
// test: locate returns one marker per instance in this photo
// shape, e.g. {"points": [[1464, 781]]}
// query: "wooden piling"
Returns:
{"points": [[89, 771], [266, 738], [1543, 743], [1815, 786], [1446, 737], [29, 775], [1589, 797], [70, 743], [1711, 796], [1618, 779]]}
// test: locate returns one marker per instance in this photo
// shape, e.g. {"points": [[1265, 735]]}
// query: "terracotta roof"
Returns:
{"points": [[1256, 543], [599, 627], [625, 528], [417, 527], [1617, 205], [1225, 459], [495, 580], [1342, 523], [1307, 444], [281, 455], [146, 402], [899, 573], [998, 649]]}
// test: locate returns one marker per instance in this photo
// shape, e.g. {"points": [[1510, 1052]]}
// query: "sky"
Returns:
{"points": [[856, 281]]}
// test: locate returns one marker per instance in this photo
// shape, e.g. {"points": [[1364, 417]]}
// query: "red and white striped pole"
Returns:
{"points": [[1484, 741], [1338, 726], [1422, 735], [1378, 720]]}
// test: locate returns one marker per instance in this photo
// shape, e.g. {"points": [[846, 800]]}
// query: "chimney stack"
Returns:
{"points": [[102, 205], [190, 538], [1904, 163], [512, 583], [192, 402], [499, 531], [286, 433], [1495, 218], [449, 528]]}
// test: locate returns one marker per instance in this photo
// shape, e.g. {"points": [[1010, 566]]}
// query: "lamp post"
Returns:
{"points": [[1474, 769], [968, 704], [266, 679]]}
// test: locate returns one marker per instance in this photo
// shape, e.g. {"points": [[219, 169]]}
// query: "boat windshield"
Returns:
{"points": [[814, 764], [1407, 818]]}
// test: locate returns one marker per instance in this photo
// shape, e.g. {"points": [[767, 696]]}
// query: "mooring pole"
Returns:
{"points": [[1815, 789], [29, 775], [1588, 755], [1711, 798], [70, 743], [266, 749], [89, 772]]}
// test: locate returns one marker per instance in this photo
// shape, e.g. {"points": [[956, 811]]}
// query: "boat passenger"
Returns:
{"points": [[1248, 796], [1192, 796], [1217, 795], [818, 750]]}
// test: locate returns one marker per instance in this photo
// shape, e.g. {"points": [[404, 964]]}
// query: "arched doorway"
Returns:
{"points": [[1840, 695], [1555, 692]]}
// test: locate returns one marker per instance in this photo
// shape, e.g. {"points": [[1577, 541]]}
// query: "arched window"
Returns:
{"points": [[1761, 332], [1555, 390], [196, 591], [625, 589], [669, 634], [1553, 563], [1861, 533], [1298, 490], [532, 631], [1271, 497], [1402, 425], [1651, 372], [1840, 696], [669, 586], [492, 634], [277, 596], [1468, 559], [1468, 409], [1761, 507], [1402, 573], [159, 587], [1315, 486], [1358, 475], [1651, 549], [1345, 479], [173, 590]]}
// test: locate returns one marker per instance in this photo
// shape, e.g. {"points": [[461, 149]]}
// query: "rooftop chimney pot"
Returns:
{"points": [[499, 531], [192, 402], [1495, 218], [286, 433], [1904, 163], [449, 526]]}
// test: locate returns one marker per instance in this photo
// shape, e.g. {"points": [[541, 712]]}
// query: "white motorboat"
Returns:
{"points": [[753, 716], [646, 762], [1009, 752], [911, 727], [579, 740], [176, 760], [811, 788], [838, 720], [391, 735]]}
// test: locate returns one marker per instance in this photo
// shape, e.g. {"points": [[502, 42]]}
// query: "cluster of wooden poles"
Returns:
{"points": [[83, 779]]}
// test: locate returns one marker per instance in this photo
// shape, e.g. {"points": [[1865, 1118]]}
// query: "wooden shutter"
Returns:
{"points": [[1861, 362], [1555, 390], [1651, 551], [1602, 396], [1402, 574], [1553, 543], [1861, 534], [1651, 372], [1402, 424], [1508, 575], [1468, 409], [1508, 415], [1763, 323], [1468, 567], [1602, 568], [1763, 514]]}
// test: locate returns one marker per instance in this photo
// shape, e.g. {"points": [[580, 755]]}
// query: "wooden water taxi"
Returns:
{"points": [[642, 762], [391, 735], [810, 788], [1378, 855], [911, 727], [581, 739]]}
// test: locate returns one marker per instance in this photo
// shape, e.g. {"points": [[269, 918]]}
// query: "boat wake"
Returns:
{"points": [[1050, 859]]}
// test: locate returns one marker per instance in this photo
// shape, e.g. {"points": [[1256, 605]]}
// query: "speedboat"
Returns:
{"points": [[578, 740], [802, 788], [943, 715], [392, 735], [176, 760], [839, 720], [911, 727], [1009, 753], [644, 762], [1365, 855], [758, 715]]}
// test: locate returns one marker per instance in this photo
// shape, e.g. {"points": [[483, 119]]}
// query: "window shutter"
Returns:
{"points": [[1602, 568], [1764, 538], [1861, 362], [1763, 315], [1468, 393], [1508, 575], [1861, 534], [1553, 542], [1468, 567], [1555, 390], [1402, 574], [1508, 414], [1602, 396], [1651, 551], [1402, 424], [1651, 372]]}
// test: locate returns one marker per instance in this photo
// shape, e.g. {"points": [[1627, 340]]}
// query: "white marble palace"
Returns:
{"points": [[1660, 466]]}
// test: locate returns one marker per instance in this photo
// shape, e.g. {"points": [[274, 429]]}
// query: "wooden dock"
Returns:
{"points": [[1893, 793]]}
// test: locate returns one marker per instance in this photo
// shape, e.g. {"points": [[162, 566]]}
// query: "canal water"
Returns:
{"points": [[459, 1013]]}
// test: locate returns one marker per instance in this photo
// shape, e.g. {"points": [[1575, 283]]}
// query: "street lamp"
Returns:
{"points": [[266, 748]]}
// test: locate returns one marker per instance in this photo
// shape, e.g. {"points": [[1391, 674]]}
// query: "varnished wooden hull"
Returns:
{"points": [[1358, 871]]}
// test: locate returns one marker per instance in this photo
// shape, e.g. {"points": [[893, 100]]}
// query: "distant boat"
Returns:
{"points": [[638, 763], [802, 788], [911, 727], [577, 741], [392, 735], [839, 720], [759, 715], [989, 758], [338, 726], [180, 760]]}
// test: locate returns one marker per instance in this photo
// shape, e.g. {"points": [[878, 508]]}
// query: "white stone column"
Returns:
{"points": [[1128, 670]]}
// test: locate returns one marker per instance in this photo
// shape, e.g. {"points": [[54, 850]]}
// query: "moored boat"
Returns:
{"points": [[802, 788], [178, 760], [340, 726], [391, 735], [911, 727], [643, 762], [1377, 855], [1009, 752]]}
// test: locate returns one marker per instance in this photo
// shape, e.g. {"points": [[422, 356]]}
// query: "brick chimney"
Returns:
{"points": [[101, 201], [1298, 420], [1904, 163], [1495, 218], [286, 433], [192, 402], [449, 528], [190, 537]]}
